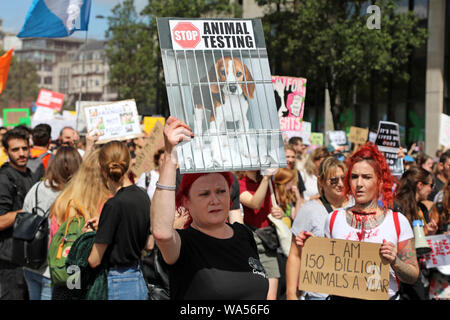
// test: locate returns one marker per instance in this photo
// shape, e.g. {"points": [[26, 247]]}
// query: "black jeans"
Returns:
{"points": [[12, 282]]}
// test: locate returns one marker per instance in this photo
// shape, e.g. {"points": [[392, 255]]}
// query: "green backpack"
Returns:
{"points": [[61, 243]]}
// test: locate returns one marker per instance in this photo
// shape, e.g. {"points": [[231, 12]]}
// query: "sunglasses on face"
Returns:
{"points": [[335, 180]]}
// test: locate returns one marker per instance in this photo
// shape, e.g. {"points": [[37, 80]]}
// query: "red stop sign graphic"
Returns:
{"points": [[186, 35]]}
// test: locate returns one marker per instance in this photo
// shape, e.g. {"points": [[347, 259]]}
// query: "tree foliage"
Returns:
{"points": [[329, 42], [21, 86]]}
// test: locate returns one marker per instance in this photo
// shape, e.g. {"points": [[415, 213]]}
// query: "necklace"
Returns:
{"points": [[364, 221]]}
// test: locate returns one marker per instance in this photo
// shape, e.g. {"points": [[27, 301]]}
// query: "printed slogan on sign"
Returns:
{"points": [[344, 268]]}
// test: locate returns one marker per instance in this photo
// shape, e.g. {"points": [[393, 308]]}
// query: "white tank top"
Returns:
{"points": [[386, 230]]}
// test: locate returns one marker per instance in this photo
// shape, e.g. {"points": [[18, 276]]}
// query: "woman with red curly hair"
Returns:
{"points": [[371, 219], [209, 259]]}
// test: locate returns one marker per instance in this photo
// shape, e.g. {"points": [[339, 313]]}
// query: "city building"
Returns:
{"points": [[83, 75]]}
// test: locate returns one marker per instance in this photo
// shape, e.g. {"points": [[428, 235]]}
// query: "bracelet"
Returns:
{"points": [[164, 187]]}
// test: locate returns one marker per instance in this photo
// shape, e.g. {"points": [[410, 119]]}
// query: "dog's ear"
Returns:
{"points": [[249, 88], [213, 76]]}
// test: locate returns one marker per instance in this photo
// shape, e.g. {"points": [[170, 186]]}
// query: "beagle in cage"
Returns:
{"points": [[226, 96]]}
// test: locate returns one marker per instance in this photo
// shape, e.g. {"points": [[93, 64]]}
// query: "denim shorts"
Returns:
{"points": [[126, 283]]}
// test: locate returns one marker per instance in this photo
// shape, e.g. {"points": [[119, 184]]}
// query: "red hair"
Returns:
{"points": [[186, 182], [370, 153]]}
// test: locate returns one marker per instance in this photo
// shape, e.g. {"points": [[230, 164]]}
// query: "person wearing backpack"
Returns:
{"points": [[15, 181], [82, 199], [60, 169], [123, 227], [369, 179]]}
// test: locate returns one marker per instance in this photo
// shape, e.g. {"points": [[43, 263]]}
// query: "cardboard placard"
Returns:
{"points": [[344, 268], [116, 120], [144, 157], [358, 135], [13, 117], [338, 139]]}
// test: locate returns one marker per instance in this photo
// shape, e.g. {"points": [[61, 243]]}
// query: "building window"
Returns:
{"points": [[48, 80]]}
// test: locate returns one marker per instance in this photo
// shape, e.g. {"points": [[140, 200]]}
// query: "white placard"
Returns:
{"points": [[212, 34], [116, 121]]}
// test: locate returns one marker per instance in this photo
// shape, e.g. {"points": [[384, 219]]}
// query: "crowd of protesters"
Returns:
{"points": [[164, 235]]}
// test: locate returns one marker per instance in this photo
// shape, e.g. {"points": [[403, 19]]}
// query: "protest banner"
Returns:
{"points": [[290, 93], [316, 138], [338, 139], [50, 99], [357, 135], [115, 120], [388, 142], [218, 81], [440, 251], [13, 117], [144, 157], [79, 109], [344, 268], [444, 134], [149, 123], [5, 61]]}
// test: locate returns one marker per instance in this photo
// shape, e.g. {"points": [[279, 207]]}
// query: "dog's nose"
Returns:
{"points": [[233, 88]]}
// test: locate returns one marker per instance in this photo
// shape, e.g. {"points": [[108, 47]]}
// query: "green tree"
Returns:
{"points": [[329, 42], [21, 86], [130, 56]]}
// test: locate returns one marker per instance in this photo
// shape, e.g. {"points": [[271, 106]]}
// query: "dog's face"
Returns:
{"points": [[236, 76]]}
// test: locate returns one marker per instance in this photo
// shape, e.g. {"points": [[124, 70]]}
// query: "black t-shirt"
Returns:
{"points": [[216, 269], [124, 226]]}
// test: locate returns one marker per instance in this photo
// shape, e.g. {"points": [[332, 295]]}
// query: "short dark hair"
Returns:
{"points": [[3, 128], [66, 127], [295, 140], [41, 134], [24, 127], [16, 133], [444, 156]]}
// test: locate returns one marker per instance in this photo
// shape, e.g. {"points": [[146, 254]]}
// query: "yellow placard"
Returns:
{"points": [[149, 123]]}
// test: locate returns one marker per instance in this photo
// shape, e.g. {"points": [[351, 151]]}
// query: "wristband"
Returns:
{"points": [[164, 187]]}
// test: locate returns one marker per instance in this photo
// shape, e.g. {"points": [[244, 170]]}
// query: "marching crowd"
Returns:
{"points": [[164, 235]]}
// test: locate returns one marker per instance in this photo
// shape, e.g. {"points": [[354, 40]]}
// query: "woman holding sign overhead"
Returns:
{"points": [[368, 180], [210, 259]]}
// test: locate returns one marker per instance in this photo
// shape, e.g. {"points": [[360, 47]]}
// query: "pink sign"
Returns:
{"points": [[50, 99], [290, 96]]}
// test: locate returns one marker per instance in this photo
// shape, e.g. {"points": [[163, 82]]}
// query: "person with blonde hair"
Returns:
{"points": [[84, 196], [312, 217], [310, 172], [123, 228]]}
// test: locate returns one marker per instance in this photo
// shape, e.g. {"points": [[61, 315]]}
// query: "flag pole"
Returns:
{"points": [[83, 75]]}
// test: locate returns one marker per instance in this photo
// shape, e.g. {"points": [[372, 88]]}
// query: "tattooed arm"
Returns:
{"points": [[402, 259]]}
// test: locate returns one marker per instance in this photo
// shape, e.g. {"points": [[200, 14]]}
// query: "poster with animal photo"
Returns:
{"points": [[113, 121], [218, 81]]}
